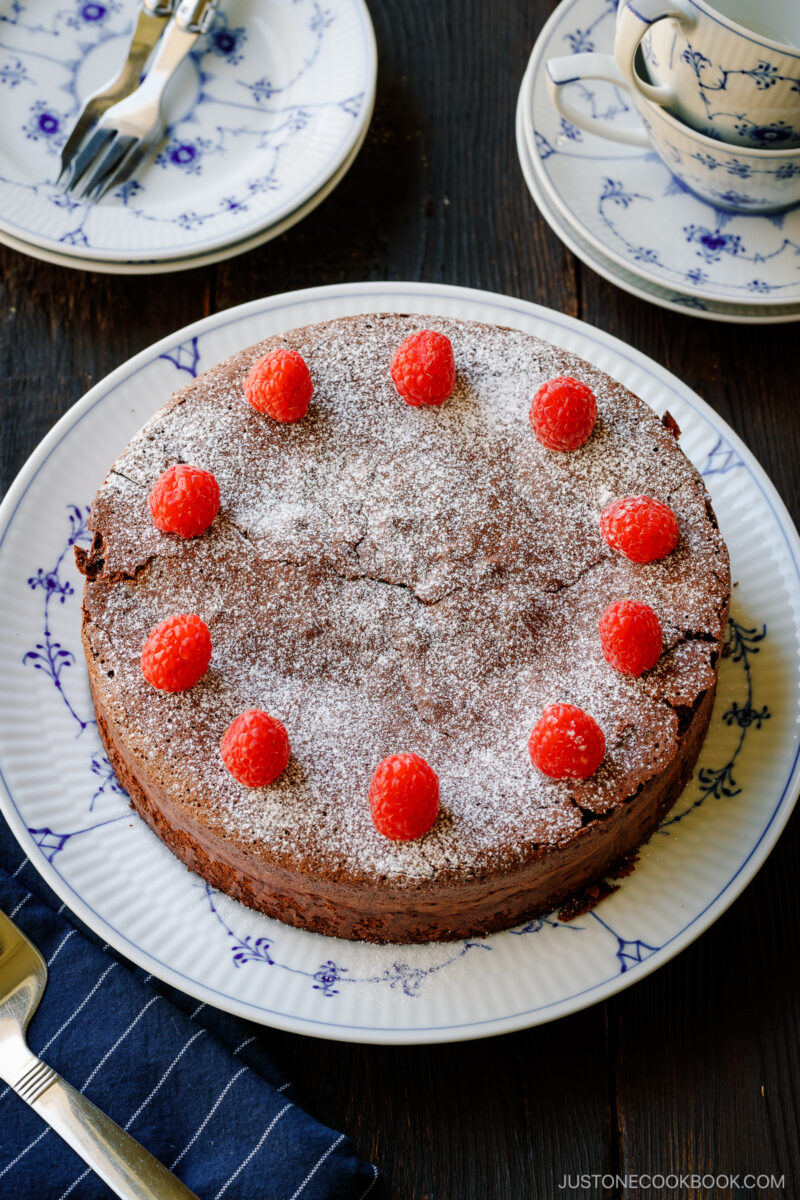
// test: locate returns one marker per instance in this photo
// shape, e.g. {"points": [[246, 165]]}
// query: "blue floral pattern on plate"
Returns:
{"points": [[625, 203], [265, 110]]}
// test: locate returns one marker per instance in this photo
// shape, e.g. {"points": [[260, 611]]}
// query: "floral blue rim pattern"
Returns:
{"points": [[281, 137], [184, 353], [722, 256]]}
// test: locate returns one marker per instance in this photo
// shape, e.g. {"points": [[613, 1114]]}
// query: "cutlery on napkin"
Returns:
{"points": [[112, 1153], [194, 1085]]}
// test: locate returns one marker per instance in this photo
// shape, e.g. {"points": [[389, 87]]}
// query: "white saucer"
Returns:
{"points": [[265, 111], [61, 800], [644, 289], [625, 204], [201, 260]]}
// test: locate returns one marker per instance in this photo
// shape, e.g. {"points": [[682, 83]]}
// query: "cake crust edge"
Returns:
{"points": [[424, 911]]}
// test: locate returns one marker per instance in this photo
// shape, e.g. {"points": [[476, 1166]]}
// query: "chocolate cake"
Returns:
{"points": [[385, 578]]}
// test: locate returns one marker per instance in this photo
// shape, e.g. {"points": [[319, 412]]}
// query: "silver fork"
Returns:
{"points": [[149, 26], [128, 131], [118, 1159]]}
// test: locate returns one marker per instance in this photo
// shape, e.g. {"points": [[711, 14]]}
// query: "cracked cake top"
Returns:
{"points": [[385, 578]]}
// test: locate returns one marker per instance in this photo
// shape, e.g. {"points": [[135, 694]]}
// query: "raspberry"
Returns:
{"points": [[404, 797], [630, 635], [279, 384], [563, 413], [177, 653], [184, 500], [423, 368], [639, 527], [255, 748], [567, 743]]}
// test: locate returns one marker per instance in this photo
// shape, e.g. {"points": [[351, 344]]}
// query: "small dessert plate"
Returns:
{"points": [[168, 265], [626, 205], [265, 110], [59, 795], [636, 285]]}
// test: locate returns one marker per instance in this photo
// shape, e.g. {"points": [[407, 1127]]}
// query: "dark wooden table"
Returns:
{"points": [[696, 1068]]}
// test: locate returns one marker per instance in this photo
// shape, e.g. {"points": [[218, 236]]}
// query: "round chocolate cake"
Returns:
{"points": [[385, 578]]}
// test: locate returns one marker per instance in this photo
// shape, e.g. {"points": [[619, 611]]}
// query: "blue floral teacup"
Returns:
{"points": [[730, 177], [731, 71]]}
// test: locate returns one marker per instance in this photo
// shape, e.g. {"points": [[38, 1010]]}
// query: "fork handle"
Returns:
{"points": [[119, 1160], [196, 15]]}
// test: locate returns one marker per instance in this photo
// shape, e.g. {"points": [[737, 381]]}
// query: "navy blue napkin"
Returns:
{"points": [[194, 1085]]}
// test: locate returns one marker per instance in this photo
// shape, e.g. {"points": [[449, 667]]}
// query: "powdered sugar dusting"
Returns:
{"points": [[387, 578]]}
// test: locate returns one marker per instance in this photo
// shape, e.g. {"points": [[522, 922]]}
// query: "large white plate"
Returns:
{"points": [[565, 227], [265, 110], [61, 801], [627, 205]]}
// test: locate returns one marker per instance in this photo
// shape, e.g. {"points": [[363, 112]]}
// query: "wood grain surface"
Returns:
{"points": [[696, 1068]]}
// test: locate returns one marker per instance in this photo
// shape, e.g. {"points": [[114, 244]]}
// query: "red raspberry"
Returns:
{"points": [[184, 500], [563, 413], [639, 527], [423, 368], [279, 384], [630, 634], [567, 743], [255, 748], [177, 653], [404, 797]]}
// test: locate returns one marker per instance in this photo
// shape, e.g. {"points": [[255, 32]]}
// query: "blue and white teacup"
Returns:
{"points": [[730, 71], [730, 177]]}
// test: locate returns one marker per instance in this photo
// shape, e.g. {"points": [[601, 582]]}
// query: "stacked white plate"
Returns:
{"points": [[265, 117], [620, 210]]}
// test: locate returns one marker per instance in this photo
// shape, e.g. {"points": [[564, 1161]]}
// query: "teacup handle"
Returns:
{"points": [[571, 69], [632, 24]]}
